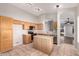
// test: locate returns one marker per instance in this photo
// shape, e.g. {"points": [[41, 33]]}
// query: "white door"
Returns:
{"points": [[17, 35]]}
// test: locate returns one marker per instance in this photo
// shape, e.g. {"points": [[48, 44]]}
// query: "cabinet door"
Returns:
{"points": [[6, 40], [27, 39], [44, 44], [6, 33], [39, 26], [36, 27], [0, 33], [26, 26], [49, 45], [37, 43], [6, 23]]}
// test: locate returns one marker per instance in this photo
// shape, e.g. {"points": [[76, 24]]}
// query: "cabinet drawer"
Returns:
{"points": [[43, 45], [27, 39]]}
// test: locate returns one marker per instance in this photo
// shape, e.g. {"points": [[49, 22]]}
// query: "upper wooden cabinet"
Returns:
{"points": [[37, 26], [5, 33], [26, 26]]}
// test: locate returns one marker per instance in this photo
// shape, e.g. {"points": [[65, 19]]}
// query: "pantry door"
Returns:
{"points": [[17, 34]]}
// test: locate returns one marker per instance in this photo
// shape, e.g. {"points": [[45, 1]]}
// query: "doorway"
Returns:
{"points": [[17, 34], [67, 29]]}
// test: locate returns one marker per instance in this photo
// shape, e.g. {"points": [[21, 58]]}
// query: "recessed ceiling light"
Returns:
{"points": [[58, 6]]}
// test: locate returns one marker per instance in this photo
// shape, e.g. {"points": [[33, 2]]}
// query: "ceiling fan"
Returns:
{"points": [[69, 22]]}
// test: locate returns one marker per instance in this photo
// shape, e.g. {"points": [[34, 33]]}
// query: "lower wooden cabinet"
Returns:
{"points": [[43, 43], [27, 39]]}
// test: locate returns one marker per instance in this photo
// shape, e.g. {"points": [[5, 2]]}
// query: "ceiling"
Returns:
{"points": [[42, 8]]}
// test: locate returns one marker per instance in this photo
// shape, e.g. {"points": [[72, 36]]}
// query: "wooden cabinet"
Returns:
{"points": [[37, 43], [34, 25], [26, 25], [5, 33], [39, 26], [27, 39], [43, 43]]}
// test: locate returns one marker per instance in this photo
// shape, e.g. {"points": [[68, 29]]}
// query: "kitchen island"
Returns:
{"points": [[43, 43], [54, 35]]}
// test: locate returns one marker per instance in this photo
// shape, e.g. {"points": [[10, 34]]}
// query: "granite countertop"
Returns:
{"points": [[47, 34], [44, 36]]}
